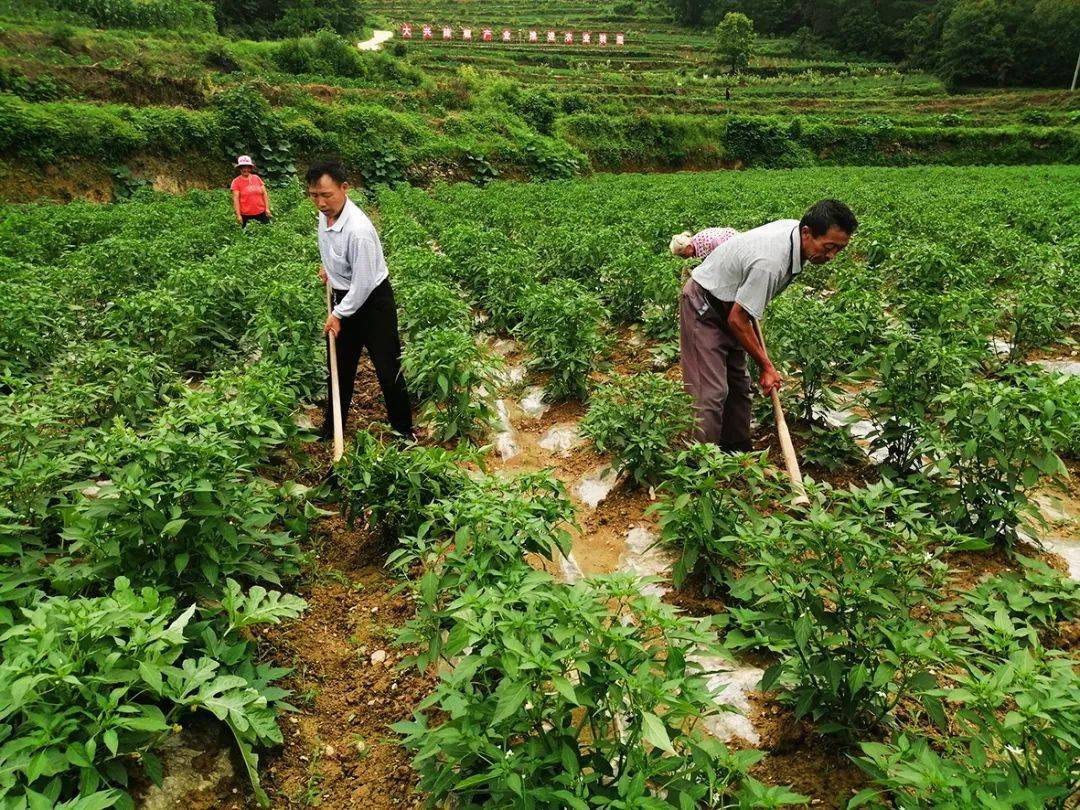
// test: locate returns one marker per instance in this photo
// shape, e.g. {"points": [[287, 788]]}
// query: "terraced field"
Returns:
{"points": [[119, 107], [665, 68]]}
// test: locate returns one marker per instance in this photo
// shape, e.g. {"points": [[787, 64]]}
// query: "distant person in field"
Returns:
{"points": [[364, 314], [690, 245], [249, 198], [724, 297]]}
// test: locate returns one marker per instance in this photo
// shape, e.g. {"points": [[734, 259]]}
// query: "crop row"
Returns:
{"points": [[849, 597], [149, 371], [146, 389]]}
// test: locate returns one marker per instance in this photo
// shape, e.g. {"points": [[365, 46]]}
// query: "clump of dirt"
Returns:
{"points": [[820, 771], [630, 354], [968, 568], [694, 598]]}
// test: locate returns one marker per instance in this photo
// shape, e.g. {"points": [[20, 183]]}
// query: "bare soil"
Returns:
{"points": [[339, 750]]}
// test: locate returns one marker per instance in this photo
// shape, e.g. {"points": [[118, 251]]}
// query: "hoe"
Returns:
{"points": [[788, 449], [335, 388]]}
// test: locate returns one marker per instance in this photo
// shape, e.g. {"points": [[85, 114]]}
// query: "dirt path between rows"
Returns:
{"points": [[339, 751]]}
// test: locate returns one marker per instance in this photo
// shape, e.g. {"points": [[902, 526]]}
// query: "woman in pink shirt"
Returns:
{"points": [[249, 197], [700, 244]]}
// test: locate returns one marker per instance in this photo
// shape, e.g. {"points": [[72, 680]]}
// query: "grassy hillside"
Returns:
{"points": [[122, 97]]}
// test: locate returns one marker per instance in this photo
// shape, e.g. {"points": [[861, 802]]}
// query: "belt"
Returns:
{"points": [[723, 307], [383, 288]]}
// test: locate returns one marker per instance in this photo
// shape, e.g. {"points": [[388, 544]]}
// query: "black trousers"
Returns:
{"points": [[264, 218], [373, 327]]}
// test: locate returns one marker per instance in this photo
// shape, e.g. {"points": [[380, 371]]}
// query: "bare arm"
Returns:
{"points": [[743, 327], [236, 204], [266, 201]]}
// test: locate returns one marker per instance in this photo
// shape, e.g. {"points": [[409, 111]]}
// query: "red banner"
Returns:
{"points": [[532, 36]]}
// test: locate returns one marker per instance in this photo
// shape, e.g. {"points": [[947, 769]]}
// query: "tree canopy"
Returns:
{"points": [[966, 42], [735, 40]]}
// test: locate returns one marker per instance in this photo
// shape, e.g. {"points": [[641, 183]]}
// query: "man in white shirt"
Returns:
{"points": [[724, 297], [364, 314]]}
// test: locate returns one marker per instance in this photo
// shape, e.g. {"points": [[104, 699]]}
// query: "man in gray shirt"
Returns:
{"points": [[724, 297], [364, 314]]}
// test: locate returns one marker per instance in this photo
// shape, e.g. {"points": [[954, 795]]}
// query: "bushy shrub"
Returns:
{"points": [[997, 442], [560, 323], [538, 108], [806, 339], [530, 657], [1009, 745], [703, 498], [325, 54], [633, 279], [30, 330], [287, 18], [640, 420], [247, 125], [93, 684], [455, 378], [912, 369], [163, 322], [391, 486], [835, 590], [182, 14], [479, 536], [757, 142], [177, 512], [104, 379], [430, 304], [1043, 305]]}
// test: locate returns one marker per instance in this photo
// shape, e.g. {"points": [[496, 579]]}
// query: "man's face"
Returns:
{"points": [[328, 196], [824, 248]]}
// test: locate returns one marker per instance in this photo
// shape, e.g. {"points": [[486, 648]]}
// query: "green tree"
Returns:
{"points": [[691, 12], [735, 40], [288, 18], [1057, 27], [803, 42], [975, 45]]}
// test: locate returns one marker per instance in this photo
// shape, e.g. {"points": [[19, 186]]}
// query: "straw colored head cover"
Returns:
{"points": [[679, 242]]}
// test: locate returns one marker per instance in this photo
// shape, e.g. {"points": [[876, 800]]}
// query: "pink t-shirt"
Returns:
{"points": [[251, 194], [708, 240]]}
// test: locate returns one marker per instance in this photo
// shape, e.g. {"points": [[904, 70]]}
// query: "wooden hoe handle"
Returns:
{"points": [[335, 386], [791, 462]]}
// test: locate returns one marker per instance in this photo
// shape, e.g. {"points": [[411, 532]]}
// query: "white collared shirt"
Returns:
{"points": [[353, 257], [753, 267]]}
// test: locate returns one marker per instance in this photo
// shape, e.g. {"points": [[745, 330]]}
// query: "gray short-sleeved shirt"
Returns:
{"points": [[753, 267]]}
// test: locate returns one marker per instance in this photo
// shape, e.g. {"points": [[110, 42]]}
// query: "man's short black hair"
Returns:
{"points": [[334, 168], [825, 214]]}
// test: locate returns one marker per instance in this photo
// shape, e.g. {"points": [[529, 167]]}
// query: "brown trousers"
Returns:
{"points": [[714, 370]]}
